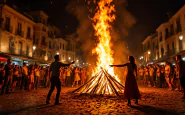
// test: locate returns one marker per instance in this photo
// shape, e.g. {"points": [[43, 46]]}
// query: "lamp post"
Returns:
{"points": [[34, 48], [181, 37]]}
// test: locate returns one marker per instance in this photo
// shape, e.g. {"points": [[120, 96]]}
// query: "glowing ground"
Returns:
{"points": [[154, 101]]}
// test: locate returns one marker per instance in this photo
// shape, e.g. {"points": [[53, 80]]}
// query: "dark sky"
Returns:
{"points": [[148, 13]]}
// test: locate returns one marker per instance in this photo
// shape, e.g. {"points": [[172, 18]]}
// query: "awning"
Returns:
{"points": [[3, 59]]}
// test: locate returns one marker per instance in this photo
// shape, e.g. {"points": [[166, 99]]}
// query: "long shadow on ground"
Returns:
{"points": [[149, 110], [31, 108]]}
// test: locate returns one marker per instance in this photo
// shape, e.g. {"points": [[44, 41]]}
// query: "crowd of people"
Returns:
{"points": [[34, 76], [162, 76]]}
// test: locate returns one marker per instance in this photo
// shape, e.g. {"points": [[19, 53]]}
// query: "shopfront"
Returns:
{"points": [[3, 60]]}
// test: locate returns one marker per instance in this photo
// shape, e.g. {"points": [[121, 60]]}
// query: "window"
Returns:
{"points": [[53, 45], [19, 27], [7, 23], [160, 37], [28, 32], [43, 41], [27, 50], [49, 44], [63, 47], [60, 45], [168, 47], [167, 33], [148, 45], [171, 30], [44, 22], [55, 32], [44, 29], [153, 45], [162, 51], [11, 45], [173, 45], [179, 29]]}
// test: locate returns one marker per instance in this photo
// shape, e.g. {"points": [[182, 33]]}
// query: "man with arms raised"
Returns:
{"points": [[55, 80]]}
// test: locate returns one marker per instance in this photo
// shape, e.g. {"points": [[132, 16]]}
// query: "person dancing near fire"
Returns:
{"points": [[131, 88]]}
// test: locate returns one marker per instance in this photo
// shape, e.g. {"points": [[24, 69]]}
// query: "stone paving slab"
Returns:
{"points": [[154, 101]]}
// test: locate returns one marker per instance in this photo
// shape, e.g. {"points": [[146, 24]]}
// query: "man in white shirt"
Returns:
{"points": [[55, 80]]}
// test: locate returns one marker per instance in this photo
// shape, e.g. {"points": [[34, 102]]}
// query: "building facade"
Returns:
{"points": [[16, 35], [150, 49], [170, 38], [40, 40], [27, 36]]}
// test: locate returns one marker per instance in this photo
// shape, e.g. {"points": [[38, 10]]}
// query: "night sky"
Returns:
{"points": [[148, 13]]}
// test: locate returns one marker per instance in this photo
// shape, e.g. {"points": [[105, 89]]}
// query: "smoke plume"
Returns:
{"points": [[84, 10]]}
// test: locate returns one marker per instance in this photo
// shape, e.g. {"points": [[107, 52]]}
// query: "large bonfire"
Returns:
{"points": [[104, 81]]}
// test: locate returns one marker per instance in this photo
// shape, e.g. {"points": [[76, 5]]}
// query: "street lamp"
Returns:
{"points": [[149, 52], [33, 52], [181, 37], [34, 47], [57, 53]]}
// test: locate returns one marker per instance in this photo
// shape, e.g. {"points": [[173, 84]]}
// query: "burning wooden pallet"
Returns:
{"points": [[101, 84]]}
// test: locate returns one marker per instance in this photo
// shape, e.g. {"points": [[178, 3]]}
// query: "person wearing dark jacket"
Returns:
{"points": [[180, 69], [8, 76]]}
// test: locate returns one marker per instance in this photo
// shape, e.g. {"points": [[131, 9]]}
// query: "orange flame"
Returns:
{"points": [[102, 20]]}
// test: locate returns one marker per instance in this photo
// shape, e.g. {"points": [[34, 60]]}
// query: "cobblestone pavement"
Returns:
{"points": [[154, 101]]}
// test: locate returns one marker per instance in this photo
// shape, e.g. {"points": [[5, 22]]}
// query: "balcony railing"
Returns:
{"points": [[19, 33], [27, 53], [8, 28], [51, 35], [44, 29], [44, 44], [29, 37], [170, 52], [167, 36], [22, 53], [12, 50]]}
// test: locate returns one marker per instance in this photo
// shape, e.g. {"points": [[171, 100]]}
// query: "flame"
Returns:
{"points": [[102, 20]]}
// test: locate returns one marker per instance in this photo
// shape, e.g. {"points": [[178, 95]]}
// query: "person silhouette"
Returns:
{"points": [[55, 80], [131, 88]]}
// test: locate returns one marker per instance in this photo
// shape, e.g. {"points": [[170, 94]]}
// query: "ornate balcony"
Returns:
{"points": [[19, 33]]}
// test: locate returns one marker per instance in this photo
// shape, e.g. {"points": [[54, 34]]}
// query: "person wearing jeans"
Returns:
{"points": [[55, 80], [8, 76]]}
